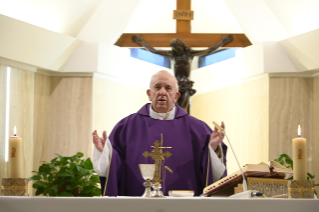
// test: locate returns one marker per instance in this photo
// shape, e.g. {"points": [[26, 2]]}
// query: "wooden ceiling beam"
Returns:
{"points": [[190, 40]]}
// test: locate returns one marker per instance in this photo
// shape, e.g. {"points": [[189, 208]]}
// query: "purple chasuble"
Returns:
{"points": [[135, 134]]}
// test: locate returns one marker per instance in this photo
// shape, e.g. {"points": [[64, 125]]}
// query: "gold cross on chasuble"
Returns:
{"points": [[158, 156]]}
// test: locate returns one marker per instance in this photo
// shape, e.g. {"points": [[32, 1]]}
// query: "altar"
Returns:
{"points": [[138, 204]]}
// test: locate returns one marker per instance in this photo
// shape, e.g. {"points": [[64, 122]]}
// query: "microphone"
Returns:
{"points": [[223, 131], [246, 194]]}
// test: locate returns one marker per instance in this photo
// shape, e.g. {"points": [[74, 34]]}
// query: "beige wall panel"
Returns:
{"points": [[70, 116], [3, 164], [244, 109], [21, 114], [315, 130], [290, 104], [114, 101], [41, 119]]}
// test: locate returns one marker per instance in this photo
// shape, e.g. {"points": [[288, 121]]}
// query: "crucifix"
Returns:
{"points": [[180, 42], [158, 156]]}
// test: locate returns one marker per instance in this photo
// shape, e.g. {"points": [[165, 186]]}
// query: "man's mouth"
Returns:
{"points": [[162, 100]]}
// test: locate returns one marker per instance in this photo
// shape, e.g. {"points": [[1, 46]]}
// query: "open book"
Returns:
{"points": [[272, 169]]}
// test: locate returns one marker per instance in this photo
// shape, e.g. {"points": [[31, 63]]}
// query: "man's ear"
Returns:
{"points": [[148, 92], [177, 95]]}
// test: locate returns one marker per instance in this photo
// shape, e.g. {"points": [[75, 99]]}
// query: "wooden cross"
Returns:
{"points": [[157, 155], [183, 32]]}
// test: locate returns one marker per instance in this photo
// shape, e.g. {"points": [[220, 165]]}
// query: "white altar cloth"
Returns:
{"points": [[138, 204]]}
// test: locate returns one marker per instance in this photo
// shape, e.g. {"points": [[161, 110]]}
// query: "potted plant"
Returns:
{"points": [[67, 176]]}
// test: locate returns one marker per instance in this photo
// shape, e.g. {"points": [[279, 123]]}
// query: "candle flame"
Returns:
{"points": [[15, 130], [299, 131]]}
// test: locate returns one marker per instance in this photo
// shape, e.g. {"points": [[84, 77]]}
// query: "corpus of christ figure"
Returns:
{"points": [[182, 56]]}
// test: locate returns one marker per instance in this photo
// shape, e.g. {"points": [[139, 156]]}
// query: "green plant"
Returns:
{"points": [[67, 176], [286, 161]]}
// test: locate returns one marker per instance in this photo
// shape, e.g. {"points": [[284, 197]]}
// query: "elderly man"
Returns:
{"points": [[198, 154]]}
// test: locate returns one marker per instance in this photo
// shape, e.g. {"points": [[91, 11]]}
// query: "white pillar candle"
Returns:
{"points": [[15, 156], [299, 152]]}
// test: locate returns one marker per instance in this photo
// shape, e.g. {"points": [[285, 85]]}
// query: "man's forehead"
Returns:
{"points": [[164, 78]]}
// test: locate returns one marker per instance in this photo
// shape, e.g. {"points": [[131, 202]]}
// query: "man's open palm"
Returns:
{"points": [[98, 141]]}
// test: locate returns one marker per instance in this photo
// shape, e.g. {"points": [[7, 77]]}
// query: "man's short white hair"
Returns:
{"points": [[166, 72]]}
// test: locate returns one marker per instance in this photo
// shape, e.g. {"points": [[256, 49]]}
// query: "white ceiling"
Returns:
{"points": [[64, 16], [69, 17]]}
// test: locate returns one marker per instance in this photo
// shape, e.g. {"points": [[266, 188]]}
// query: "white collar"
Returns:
{"points": [[162, 116]]}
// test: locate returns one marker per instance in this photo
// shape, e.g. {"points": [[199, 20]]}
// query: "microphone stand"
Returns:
{"points": [[242, 173]]}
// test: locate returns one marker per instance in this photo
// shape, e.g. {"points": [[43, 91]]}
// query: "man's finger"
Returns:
{"points": [[96, 138], [223, 125], [104, 136]]}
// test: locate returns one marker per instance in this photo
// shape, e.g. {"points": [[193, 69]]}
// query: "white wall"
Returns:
{"points": [[252, 62], [257, 20], [112, 63], [33, 45], [213, 16], [109, 21], [153, 17], [55, 15], [296, 16]]}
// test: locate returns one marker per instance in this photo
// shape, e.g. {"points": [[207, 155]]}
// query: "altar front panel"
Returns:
{"points": [[138, 204]]}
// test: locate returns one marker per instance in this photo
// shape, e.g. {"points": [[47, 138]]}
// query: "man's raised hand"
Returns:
{"points": [[216, 137], [99, 142]]}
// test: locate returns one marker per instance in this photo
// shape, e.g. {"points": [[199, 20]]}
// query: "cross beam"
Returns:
{"points": [[190, 40]]}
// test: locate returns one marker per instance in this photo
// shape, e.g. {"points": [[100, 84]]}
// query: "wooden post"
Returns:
{"points": [[183, 26]]}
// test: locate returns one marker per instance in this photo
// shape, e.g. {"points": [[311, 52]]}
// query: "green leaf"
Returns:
{"points": [[88, 189], [39, 191], [285, 156], [63, 162], [94, 179], [44, 175], [65, 174], [65, 194], [54, 160], [310, 176], [54, 188], [51, 177], [73, 167], [69, 187], [39, 183], [79, 154], [60, 157], [35, 177], [60, 182], [81, 170], [88, 164]]}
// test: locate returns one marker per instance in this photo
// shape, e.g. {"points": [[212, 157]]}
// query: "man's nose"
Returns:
{"points": [[162, 91]]}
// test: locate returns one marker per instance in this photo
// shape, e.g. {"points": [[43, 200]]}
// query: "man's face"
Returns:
{"points": [[178, 48], [163, 93]]}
